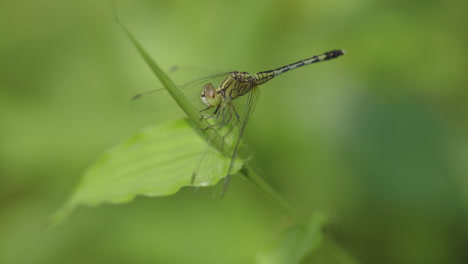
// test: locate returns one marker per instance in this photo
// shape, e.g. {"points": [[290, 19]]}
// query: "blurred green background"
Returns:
{"points": [[378, 139]]}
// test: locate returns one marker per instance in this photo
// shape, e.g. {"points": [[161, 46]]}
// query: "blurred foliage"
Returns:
{"points": [[377, 139], [295, 242]]}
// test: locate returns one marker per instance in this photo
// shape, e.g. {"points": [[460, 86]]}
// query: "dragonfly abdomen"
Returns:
{"points": [[263, 77]]}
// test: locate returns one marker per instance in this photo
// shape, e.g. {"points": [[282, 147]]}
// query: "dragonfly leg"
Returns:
{"points": [[232, 108], [224, 118], [237, 115], [225, 121], [215, 114]]}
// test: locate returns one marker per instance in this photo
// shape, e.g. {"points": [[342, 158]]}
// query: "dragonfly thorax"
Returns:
{"points": [[237, 84]]}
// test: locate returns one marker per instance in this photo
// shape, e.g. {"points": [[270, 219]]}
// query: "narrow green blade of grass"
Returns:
{"points": [[185, 104], [157, 161], [295, 243]]}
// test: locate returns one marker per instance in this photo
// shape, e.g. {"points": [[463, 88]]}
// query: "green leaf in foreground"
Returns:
{"points": [[157, 161], [295, 243]]}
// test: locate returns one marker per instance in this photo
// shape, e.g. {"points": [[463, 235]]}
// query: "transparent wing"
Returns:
{"points": [[230, 122], [245, 107], [154, 100]]}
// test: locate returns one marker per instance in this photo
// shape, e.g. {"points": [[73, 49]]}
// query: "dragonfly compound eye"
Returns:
{"points": [[209, 96]]}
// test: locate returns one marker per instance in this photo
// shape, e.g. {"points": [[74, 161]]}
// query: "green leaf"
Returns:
{"points": [[157, 161], [295, 243]]}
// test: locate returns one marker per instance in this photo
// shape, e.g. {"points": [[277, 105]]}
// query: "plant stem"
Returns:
{"points": [[271, 193]]}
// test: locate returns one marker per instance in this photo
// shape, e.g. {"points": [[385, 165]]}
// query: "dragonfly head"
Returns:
{"points": [[209, 96]]}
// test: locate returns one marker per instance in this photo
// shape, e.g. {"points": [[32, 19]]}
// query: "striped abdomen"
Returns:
{"points": [[263, 77]]}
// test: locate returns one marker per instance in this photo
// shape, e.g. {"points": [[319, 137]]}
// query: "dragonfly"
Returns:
{"points": [[228, 99]]}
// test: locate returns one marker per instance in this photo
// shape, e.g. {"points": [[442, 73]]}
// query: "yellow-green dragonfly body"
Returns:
{"points": [[232, 95], [237, 84], [240, 83]]}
